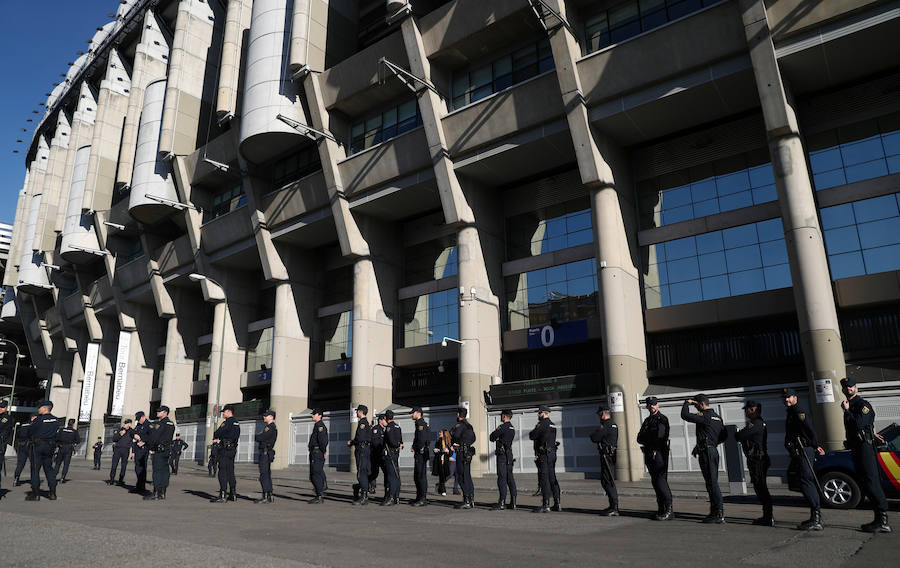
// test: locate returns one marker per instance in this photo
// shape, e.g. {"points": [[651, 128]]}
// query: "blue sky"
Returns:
{"points": [[37, 39]]}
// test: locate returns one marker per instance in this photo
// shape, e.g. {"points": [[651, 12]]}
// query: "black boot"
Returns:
{"points": [[153, 496], [512, 503], [666, 515], [111, 481], [33, 496], [467, 503], [388, 501], [271, 497], [162, 494], [611, 511], [767, 520], [231, 495], [120, 483], [317, 500], [263, 499], [219, 499], [500, 506], [421, 502], [716, 516], [557, 507], [52, 496], [362, 500], [18, 483], [879, 525], [814, 523], [544, 508]]}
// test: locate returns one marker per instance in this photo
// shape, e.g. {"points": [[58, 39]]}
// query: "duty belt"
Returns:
{"points": [[42, 441], [229, 445], [362, 444], [314, 450]]}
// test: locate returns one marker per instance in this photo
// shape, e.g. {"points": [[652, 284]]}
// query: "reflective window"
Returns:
{"points": [[225, 202], [854, 153], [730, 262], [259, 350], [201, 363], [475, 84], [338, 333], [549, 229], [429, 318], [293, 167], [863, 237], [384, 126], [730, 183], [633, 17], [558, 294], [431, 260]]}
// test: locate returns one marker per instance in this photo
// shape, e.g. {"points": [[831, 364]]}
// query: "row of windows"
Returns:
{"points": [[294, 166], [259, 352], [634, 17], [429, 318], [863, 237], [557, 294], [549, 229], [519, 66], [858, 152], [225, 202], [384, 126], [338, 332]]}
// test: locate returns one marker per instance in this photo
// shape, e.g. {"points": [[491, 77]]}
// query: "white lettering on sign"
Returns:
{"points": [[547, 336], [87, 385]]}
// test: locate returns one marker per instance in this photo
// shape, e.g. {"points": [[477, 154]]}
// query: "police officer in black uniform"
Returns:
{"points": [[43, 439], [654, 440], [5, 434], [754, 441], [178, 446], [799, 435], [462, 436], [710, 429], [23, 447], [122, 442], [606, 436], [503, 437], [227, 435], [98, 451], [141, 451], [376, 455], [421, 441], [544, 437], [393, 443], [265, 441], [362, 442], [318, 453], [160, 443], [66, 440], [859, 424]]}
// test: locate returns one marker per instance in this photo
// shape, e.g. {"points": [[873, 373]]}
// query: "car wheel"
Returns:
{"points": [[841, 491]]}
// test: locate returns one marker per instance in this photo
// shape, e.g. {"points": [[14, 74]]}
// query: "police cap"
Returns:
{"points": [[163, 409], [417, 409], [602, 407], [362, 408], [229, 407], [127, 421], [139, 414], [462, 411], [506, 412], [269, 413], [701, 398], [848, 382], [317, 411], [651, 400], [45, 403], [388, 414], [543, 408], [3, 404], [750, 404], [788, 392]]}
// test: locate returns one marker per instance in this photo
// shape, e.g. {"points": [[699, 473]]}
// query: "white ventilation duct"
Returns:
{"points": [[78, 235]]}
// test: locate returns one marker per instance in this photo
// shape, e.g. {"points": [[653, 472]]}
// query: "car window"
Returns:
{"points": [[891, 435]]}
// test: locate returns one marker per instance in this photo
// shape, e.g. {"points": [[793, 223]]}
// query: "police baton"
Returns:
{"points": [[810, 466]]}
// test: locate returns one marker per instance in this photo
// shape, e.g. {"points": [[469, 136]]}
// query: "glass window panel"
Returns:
{"points": [[704, 208], [832, 178], [556, 274], [715, 287], [703, 190], [677, 215], [712, 264], [862, 151], [762, 175], [875, 208], [838, 216], [777, 277], [770, 230], [743, 258], [580, 269], [740, 236], [882, 259], [747, 282], [581, 286], [389, 117], [735, 201], [893, 164], [867, 170], [844, 239], [709, 242], [765, 194], [773, 252], [681, 248], [846, 265], [879, 233], [685, 292], [733, 183], [826, 160], [683, 270]]}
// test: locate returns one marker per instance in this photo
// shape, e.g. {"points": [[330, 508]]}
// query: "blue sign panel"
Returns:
{"points": [[560, 334], [264, 376], [344, 366]]}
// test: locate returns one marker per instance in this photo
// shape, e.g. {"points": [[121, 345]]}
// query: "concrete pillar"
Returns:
{"points": [[59, 378], [45, 232], [820, 338], [621, 313], [75, 383], [290, 367], [226, 362], [237, 22], [109, 343], [178, 368]]}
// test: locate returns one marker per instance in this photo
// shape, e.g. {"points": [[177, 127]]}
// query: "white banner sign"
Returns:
{"points": [[617, 401], [87, 385], [824, 391], [121, 373]]}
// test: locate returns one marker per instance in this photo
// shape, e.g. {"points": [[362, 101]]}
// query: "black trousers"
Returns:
{"points": [[759, 468], [265, 470], [800, 471], [709, 467], [363, 468], [392, 472], [505, 477], [657, 462], [464, 473], [22, 455], [160, 461], [119, 455], [97, 460], [376, 459], [140, 468], [63, 459], [866, 463], [608, 478], [317, 471], [546, 466], [173, 462], [42, 459], [420, 473], [227, 481]]}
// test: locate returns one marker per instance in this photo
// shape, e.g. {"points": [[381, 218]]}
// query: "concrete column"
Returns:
{"points": [[225, 364], [237, 22], [290, 368], [178, 368], [371, 378], [76, 377], [621, 313], [823, 351], [59, 378], [45, 235], [139, 379], [105, 361]]}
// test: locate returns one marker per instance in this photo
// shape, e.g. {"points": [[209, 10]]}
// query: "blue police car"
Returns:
{"points": [[837, 474]]}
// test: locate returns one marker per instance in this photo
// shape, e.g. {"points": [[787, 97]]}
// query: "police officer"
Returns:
{"points": [[503, 437], [377, 455], [140, 450], [212, 465], [544, 437], [654, 440], [23, 447], [709, 430], [5, 434], [859, 424], [43, 439], [178, 446], [227, 435], [799, 435], [122, 442], [98, 451], [362, 441], [421, 441], [606, 436], [318, 453], [265, 441], [754, 441], [66, 440], [160, 443], [462, 436], [393, 443]]}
